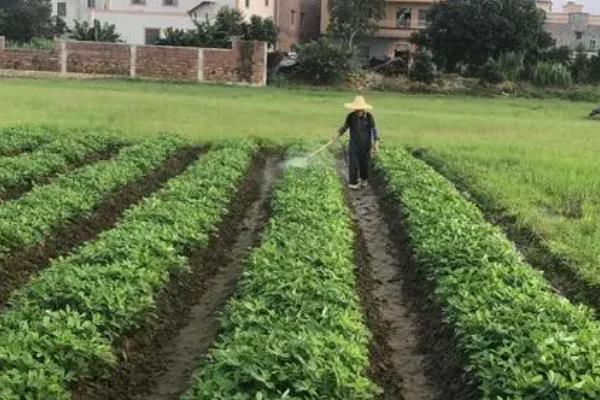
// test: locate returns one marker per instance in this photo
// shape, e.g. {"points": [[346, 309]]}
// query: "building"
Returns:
{"points": [[573, 27], [143, 21], [402, 19]]}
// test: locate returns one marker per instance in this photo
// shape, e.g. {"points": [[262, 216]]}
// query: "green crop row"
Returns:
{"points": [[50, 158], [295, 329], [29, 219], [62, 327], [521, 340], [20, 139]]}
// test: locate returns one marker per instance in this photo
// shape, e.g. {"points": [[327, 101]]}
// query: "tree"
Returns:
{"points": [[422, 69], [322, 62], [229, 24], [580, 68], [95, 33], [470, 32], [22, 20], [351, 20]]}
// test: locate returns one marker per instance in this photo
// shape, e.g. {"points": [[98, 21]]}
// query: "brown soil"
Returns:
{"points": [[18, 267], [559, 271], [159, 359], [14, 192], [413, 353]]}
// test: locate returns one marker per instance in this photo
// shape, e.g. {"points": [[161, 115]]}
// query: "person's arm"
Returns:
{"points": [[346, 125], [374, 133]]}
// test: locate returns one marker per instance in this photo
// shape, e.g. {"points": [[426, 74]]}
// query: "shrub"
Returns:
{"points": [[492, 72], [37, 43], [322, 62], [580, 68], [96, 32], [595, 68], [511, 64], [422, 69], [552, 74]]}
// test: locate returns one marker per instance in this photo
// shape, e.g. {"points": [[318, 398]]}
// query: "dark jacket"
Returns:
{"points": [[363, 132]]}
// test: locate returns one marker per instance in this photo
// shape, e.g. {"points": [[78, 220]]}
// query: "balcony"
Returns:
{"points": [[394, 32]]}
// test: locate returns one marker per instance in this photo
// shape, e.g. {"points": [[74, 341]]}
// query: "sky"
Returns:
{"points": [[591, 6]]}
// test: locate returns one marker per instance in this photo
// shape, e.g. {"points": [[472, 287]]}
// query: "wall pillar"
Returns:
{"points": [[200, 65], [63, 57], [132, 60], [2, 43]]}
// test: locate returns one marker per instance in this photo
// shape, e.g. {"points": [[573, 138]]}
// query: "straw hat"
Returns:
{"points": [[359, 103]]}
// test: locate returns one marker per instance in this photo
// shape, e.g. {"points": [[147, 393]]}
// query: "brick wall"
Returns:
{"points": [[178, 63], [244, 63], [98, 58]]}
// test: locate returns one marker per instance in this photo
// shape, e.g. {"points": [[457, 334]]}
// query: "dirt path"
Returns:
{"points": [[184, 351], [158, 360], [17, 267], [401, 366]]}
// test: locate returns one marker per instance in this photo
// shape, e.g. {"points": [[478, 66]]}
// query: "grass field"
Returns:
{"points": [[134, 262], [536, 158]]}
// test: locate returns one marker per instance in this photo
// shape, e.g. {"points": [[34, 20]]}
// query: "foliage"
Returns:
{"points": [[37, 43], [352, 20], [17, 139], [54, 157], [469, 32], [521, 340], [558, 55], [229, 25], [29, 219], [97, 32], [422, 69], [549, 74], [595, 68], [512, 65], [580, 67], [82, 305], [23, 20], [492, 72], [295, 329], [322, 62]]}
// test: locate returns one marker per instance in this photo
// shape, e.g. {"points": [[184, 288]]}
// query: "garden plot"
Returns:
{"points": [[17, 140]]}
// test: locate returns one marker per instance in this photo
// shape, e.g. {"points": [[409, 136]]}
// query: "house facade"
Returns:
{"points": [[143, 21], [402, 18], [574, 28]]}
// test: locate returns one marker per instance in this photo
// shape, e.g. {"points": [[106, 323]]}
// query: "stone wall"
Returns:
{"points": [[244, 63]]}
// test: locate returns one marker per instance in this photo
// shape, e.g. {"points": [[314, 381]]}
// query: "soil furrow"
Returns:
{"points": [[14, 192], [18, 267], [559, 271], [412, 352], [159, 360]]}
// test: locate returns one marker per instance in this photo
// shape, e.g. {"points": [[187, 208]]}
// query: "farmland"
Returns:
{"points": [[139, 264]]}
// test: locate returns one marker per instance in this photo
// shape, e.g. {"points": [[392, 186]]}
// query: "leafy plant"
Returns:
{"points": [[54, 157], [29, 219], [491, 72], [322, 62], [520, 339], [422, 69], [16, 139], [82, 305], [36, 43], [295, 329], [97, 32], [547, 74]]}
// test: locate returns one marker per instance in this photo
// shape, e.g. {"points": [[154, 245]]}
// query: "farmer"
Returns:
{"points": [[363, 140]]}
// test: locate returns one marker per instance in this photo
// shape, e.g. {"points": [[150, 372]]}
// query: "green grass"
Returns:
{"points": [[537, 158]]}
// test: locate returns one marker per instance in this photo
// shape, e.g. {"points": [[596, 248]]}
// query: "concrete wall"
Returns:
{"points": [[262, 8], [306, 24], [245, 62]]}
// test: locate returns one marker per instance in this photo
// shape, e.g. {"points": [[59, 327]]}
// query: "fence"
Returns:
{"points": [[245, 62]]}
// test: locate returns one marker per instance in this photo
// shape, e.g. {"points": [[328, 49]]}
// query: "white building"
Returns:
{"points": [[142, 21]]}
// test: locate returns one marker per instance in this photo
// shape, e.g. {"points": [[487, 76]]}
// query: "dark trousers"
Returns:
{"points": [[360, 160]]}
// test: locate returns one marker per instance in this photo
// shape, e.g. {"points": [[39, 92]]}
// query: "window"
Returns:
{"points": [[578, 35], [293, 17], [91, 3], [266, 3], [302, 18], [247, 3], [152, 35], [592, 45], [61, 9], [138, 2], [170, 3], [403, 18], [423, 23]]}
